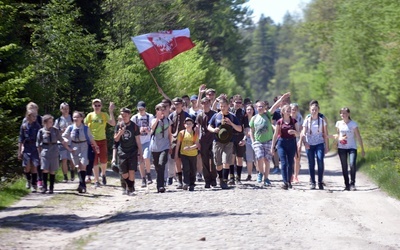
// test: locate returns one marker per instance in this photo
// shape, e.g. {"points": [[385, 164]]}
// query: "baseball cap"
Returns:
{"points": [[193, 98], [141, 105], [210, 90], [96, 100]]}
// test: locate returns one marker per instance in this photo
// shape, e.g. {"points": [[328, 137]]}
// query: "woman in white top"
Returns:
{"points": [[348, 135], [316, 144]]}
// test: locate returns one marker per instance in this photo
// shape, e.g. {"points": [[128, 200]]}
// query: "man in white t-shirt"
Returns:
{"points": [[143, 120]]}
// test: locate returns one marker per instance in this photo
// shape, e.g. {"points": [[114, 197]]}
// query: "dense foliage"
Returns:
{"points": [[342, 53]]}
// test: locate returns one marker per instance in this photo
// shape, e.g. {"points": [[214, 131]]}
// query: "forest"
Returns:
{"points": [[343, 53]]}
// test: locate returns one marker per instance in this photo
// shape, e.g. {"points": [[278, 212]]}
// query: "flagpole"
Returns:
{"points": [[158, 87], [155, 81]]}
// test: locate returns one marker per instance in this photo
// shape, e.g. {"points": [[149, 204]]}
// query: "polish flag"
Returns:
{"points": [[155, 48]]}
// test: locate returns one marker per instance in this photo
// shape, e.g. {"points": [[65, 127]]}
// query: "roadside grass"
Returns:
{"points": [[11, 192], [383, 166]]}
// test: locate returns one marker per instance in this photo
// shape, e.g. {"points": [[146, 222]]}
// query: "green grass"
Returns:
{"points": [[384, 168], [12, 192]]}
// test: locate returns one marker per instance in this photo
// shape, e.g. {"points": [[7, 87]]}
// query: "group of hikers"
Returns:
{"points": [[188, 139]]}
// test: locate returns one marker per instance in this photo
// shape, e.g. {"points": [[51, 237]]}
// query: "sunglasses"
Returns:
{"points": [[97, 105]]}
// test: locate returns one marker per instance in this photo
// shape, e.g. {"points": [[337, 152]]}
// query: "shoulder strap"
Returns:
{"points": [[148, 119], [85, 129]]}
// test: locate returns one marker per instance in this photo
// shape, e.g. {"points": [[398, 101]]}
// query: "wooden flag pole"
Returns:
{"points": [[154, 79], [158, 87]]}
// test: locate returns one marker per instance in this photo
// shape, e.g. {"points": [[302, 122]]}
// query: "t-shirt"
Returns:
{"points": [[127, 146], [188, 139], [216, 121], [62, 123], [97, 124], [314, 130], [286, 127], [347, 129], [194, 113], [160, 140], [202, 120], [27, 136], [263, 131], [277, 115], [143, 121], [241, 116]]}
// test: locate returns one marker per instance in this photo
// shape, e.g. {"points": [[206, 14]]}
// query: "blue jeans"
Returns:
{"points": [[319, 151], [351, 154], [286, 151]]}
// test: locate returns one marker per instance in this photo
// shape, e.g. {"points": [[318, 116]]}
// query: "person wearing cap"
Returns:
{"points": [[186, 101], [261, 137], [143, 120], [239, 140], [62, 123], [129, 148], [194, 111], [187, 144], [222, 124], [97, 122], [160, 143], [177, 124], [206, 143]]}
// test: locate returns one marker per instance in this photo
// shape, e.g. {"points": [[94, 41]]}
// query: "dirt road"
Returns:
{"points": [[244, 217]]}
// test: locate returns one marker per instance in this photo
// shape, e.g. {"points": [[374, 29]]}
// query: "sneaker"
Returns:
{"points": [[207, 185], [97, 184], [79, 189], [104, 179], [238, 181], [144, 183], [51, 191], [347, 188], [312, 186], [353, 187], [180, 186], [72, 179], [223, 185], [248, 178], [267, 182], [161, 189], [285, 186], [40, 184], [149, 180], [28, 185], [259, 177], [43, 190], [65, 179], [321, 186], [170, 180], [191, 188], [34, 188], [290, 185], [130, 191], [124, 192], [231, 181], [276, 170], [199, 177], [185, 187]]}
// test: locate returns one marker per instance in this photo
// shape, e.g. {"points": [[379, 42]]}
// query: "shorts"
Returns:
{"points": [[80, 154], [263, 150], [64, 154], [239, 151], [103, 155], [222, 153], [250, 155], [28, 157], [146, 150], [128, 164], [50, 163]]}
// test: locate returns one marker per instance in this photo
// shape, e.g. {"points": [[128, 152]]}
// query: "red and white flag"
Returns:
{"points": [[155, 48]]}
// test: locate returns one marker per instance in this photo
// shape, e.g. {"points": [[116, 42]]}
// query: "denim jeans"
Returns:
{"points": [[319, 151], [286, 151], [160, 160], [351, 156]]}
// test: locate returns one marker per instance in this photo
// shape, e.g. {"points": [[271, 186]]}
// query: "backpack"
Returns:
{"points": [[59, 119], [147, 118], [85, 129], [154, 131]]}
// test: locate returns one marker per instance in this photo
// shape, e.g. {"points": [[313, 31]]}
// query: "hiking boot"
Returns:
{"points": [[259, 177], [248, 178], [267, 182], [320, 186], [104, 179], [149, 180], [144, 183]]}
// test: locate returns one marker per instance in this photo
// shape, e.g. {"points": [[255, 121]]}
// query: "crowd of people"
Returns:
{"points": [[189, 140]]}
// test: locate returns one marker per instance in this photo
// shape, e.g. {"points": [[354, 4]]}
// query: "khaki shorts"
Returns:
{"points": [[222, 153]]}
